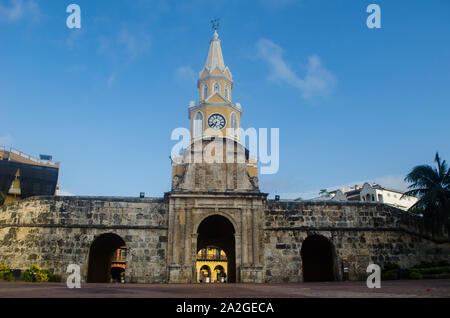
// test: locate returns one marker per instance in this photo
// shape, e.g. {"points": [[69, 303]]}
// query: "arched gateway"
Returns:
{"points": [[106, 259], [317, 258], [217, 230]]}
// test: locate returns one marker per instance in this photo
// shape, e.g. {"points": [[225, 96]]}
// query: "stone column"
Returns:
{"points": [[238, 256], [252, 270], [193, 244], [180, 271], [243, 246]]}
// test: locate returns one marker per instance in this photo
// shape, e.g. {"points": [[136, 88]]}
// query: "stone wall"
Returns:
{"points": [[268, 236], [362, 232], [56, 231]]}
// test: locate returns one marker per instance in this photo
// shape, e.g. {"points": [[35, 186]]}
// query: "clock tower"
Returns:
{"points": [[215, 201], [215, 120], [215, 114]]}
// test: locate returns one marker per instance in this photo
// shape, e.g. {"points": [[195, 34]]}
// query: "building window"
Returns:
{"points": [[216, 88], [205, 91], [226, 93], [380, 198], [198, 125]]}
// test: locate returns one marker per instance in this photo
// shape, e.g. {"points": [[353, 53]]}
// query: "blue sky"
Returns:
{"points": [[353, 104]]}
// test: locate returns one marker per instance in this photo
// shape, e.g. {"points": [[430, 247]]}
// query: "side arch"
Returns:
{"points": [[318, 259], [100, 258]]}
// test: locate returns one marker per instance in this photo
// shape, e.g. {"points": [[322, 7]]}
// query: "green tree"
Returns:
{"points": [[432, 187]]}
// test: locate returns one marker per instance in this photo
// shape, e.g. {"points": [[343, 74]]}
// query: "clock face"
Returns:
{"points": [[216, 121]]}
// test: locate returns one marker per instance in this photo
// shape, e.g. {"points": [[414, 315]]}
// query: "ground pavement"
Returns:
{"points": [[389, 289]]}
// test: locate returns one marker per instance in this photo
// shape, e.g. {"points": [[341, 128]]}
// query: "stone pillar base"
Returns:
{"points": [[180, 274], [251, 274]]}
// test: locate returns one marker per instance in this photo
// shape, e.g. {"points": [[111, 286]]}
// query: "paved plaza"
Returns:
{"points": [[389, 289]]}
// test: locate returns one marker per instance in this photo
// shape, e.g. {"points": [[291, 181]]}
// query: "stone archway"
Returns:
{"points": [[317, 258], [217, 230], [220, 273], [205, 274], [101, 256]]}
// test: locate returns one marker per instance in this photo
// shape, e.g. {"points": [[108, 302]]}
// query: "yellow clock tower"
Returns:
{"points": [[215, 114]]}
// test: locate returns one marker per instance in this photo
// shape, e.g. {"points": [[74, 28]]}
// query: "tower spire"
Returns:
{"points": [[215, 57]]}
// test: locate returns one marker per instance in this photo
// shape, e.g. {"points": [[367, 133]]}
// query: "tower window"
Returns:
{"points": [[226, 93], [205, 91], [216, 87], [198, 125]]}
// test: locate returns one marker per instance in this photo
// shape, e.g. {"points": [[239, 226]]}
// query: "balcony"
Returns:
{"points": [[217, 258], [119, 259]]}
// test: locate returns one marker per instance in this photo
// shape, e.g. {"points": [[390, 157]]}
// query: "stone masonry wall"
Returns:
{"points": [[363, 232], [56, 231]]}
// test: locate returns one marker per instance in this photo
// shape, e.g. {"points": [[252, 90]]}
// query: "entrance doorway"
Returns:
{"points": [[107, 259], [218, 231], [215, 258], [317, 259]]}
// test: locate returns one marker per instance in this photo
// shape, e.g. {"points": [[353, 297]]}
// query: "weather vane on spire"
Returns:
{"points": [[215, 24]]}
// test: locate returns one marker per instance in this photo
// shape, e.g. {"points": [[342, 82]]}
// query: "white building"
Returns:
{"points": [[376, 193]]}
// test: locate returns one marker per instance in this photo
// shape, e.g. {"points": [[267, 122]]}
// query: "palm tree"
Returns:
{"points": [[432, 186]]}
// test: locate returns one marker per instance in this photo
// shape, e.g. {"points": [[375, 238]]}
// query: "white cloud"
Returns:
{"points": [[393, 182], [126, 44], [15, 10], [111, 80], [279, 4], [186, 72], [6, 140], [73, 38], [317, 80], [135, 44], [63, 193]]}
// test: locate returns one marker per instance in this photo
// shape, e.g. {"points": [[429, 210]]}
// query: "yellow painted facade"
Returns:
{"points": [[215, 86], [212, 263], [13, 155], [14, 192], [210, 109]]}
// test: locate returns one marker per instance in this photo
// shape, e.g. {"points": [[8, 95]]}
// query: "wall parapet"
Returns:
{"points": [[343, 216], [86, 212]]}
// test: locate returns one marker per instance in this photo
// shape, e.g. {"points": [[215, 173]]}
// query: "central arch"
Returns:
{"points": [[102, 258], [317, 259], [217, 230]]}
